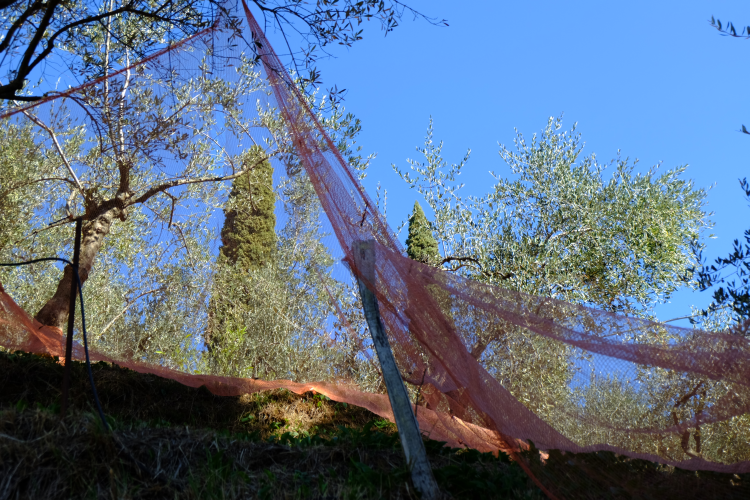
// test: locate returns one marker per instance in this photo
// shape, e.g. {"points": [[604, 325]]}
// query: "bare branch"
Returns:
{"points": [[57, 146], [474, 263], [33, 181], [119, 152], [7, 3], [61, 222], [125, 309], [182, 182], [23, 69], [18, 23], [459, 259]]}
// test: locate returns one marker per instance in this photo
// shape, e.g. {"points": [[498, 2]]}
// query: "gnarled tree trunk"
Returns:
{"points": [[55, 311]]}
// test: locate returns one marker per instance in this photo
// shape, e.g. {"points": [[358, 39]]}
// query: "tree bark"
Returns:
{"points": [[55, 311]]}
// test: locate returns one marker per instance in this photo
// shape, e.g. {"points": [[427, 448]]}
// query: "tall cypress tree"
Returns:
{"points": [[420, 244], [248, 244], [249, 236]]}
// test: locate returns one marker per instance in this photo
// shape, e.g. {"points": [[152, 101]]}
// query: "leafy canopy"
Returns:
{"points": [[38, 38], [557, 227], [147, 189]]}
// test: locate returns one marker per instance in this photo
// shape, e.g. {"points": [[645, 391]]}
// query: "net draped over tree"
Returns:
{"points": [[493, 346], [54, 34]]}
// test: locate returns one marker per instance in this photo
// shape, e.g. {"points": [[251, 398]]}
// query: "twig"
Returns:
{"points": [[694, 315], [130, 303], [197, 180], [57, 146], [52, 225], [23, 441]]}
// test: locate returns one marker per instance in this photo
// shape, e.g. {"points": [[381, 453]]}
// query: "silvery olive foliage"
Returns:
{"points": [[729, 279], [728, 29], [557, 225], [38, 39], [148, 182], [665, 412], [668, 397]]}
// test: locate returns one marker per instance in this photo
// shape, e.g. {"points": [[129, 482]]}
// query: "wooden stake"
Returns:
{"points": [[71, 319], [408, 428]]}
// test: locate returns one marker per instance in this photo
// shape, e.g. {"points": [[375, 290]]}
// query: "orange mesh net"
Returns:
{"points": [[445, 329], [23, 333]]}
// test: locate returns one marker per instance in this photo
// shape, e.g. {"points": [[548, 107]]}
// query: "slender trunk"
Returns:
{"points": [[55, 311]]}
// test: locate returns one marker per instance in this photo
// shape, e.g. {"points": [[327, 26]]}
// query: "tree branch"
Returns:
{"points": [[7, 3], [459, 259], [18, 23], [91, 19], [121, 166], [730, 30], [119, 315], [57, 146], [34, 181], [23, 69], [182, 182], [478, 266], [8, 91]]}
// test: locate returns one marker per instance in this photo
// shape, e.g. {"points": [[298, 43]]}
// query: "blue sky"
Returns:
{"points": [[652, 79]]}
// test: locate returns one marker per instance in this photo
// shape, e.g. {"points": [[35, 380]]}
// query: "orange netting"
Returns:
{"points": [[24, 333], [444, 328]]}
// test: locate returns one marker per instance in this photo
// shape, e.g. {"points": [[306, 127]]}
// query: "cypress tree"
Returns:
{"points": [[420, 244], [249, 233], [248, 240]]}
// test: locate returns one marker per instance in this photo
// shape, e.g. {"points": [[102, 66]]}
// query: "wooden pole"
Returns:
{"points": [[71, 319], [408, 428]]}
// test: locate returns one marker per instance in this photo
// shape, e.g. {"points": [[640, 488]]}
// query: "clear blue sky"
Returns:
{"points": [[650, 78]]}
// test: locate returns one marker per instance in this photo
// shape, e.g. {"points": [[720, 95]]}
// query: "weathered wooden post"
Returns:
{"points": [[71, 319], [408, 428]]}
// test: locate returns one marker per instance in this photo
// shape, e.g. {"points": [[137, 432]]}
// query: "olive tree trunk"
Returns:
{"points": [[55, 311]]}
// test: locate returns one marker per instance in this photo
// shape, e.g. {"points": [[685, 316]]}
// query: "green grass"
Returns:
{"points": [[174, 442], [171, 441]]}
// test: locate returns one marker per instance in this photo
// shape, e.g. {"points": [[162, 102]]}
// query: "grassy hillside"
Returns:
{"points": [[176, 442], [172, 441]]}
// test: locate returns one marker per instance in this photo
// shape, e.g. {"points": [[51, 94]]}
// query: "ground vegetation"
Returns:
{"points": [[181, 442]]}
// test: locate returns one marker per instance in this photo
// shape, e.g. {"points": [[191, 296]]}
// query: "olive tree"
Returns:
{"points": [[556, 227], [146, 173]]}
